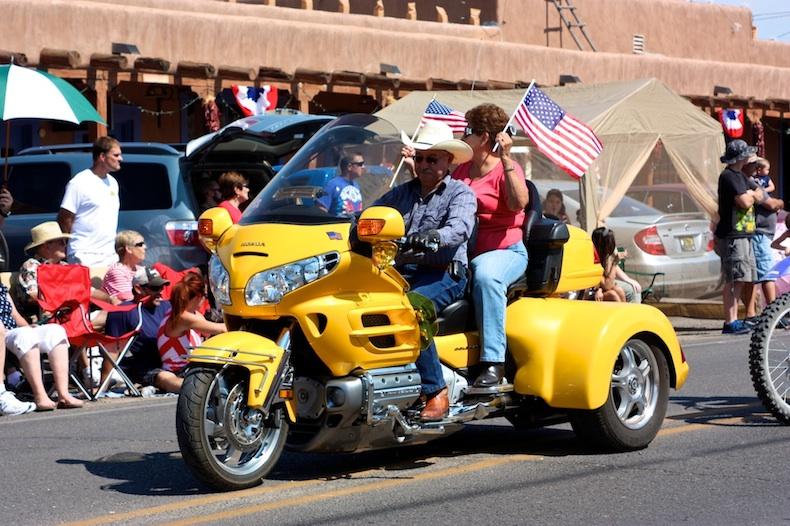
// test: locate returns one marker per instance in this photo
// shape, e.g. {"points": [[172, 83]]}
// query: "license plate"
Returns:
{"points": [[687, 244]]}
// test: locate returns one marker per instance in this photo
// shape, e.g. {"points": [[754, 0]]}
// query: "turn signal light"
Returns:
{"points": [[370, 227], [649, 241], [205, 227]]}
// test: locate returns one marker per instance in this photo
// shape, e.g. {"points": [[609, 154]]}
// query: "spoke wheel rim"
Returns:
{"points": [[635, 385], [777, 359], [237, 439]]}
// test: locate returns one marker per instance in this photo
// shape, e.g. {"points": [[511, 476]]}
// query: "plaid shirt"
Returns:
{"points": [[450, 209]]}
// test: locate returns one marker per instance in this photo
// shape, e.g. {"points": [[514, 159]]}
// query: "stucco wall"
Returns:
{"points": [[674, 28], [223, 33]]}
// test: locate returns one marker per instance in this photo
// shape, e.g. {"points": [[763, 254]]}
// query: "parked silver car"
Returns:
{"points": [[679, 245]]}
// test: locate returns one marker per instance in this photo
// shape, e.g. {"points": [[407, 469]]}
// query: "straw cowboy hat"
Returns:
{"points": [[438, 136], [44, 232]]}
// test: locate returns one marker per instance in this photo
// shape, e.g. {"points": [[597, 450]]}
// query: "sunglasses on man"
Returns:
{"points": [[430, 159], [357, 163]]}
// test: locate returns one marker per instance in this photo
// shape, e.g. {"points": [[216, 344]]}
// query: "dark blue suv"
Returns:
{"points": [[157, 182]]}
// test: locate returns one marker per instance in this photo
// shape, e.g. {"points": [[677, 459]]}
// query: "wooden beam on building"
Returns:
{"points": [[501, 84], [237, 73], [441, 84], [467, 85], [13, 57], [782, 105], [379, 81], [312, 76], [106, 61], [196, 70], [152, 64], [59, 58], [347, 78], [275, 74]]}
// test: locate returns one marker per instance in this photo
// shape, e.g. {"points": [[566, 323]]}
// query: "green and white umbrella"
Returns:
{"points": [[30, 94]]}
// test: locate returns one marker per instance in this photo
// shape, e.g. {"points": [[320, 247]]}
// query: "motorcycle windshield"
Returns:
{"points": [[340, 171]]}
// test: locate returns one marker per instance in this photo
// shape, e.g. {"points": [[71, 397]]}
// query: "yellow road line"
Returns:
{"points": [[191, 503], [354, 490]]}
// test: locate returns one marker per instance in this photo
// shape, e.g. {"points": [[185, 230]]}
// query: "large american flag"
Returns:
{"points": [[569, 143], [436, 111]]}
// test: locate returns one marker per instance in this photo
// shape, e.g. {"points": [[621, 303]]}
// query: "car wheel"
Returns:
{"points": [[634, 411]]}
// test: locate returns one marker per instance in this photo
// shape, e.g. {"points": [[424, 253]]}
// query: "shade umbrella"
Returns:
{"points": [[31, 94]]}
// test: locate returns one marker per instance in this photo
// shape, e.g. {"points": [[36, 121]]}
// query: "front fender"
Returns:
{"points": [[565, 350], [260, 356]]}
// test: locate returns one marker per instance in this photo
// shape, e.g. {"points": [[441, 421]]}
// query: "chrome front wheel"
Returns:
{"points": [[225, 443]]}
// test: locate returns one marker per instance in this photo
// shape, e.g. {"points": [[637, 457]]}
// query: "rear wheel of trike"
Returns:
{"points": [[637, 402], [226, 444]]}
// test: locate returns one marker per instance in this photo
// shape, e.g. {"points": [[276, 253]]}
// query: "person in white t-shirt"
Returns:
{"points": [[89, 210]]}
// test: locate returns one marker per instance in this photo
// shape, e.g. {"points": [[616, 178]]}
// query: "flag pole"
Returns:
{"points": [[413, 136], [512, 115]]}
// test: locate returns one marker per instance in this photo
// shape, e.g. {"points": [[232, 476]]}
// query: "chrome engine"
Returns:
{"points": [[369, 395]]}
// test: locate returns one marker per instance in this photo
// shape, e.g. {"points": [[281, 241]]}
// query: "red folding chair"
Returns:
{"points": [[174, 276], [65, 291]]}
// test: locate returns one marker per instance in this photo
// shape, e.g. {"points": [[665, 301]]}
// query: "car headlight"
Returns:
{"points": [[219, 280], [269, 287]]}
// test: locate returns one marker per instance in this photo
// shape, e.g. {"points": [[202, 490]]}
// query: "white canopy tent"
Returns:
{"points": [[650, 134]]}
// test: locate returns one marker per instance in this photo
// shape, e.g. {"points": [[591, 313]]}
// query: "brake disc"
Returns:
{"points": [[243, 425]]}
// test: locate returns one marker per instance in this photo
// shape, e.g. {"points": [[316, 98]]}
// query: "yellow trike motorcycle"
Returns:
{"points": [[323, 332]]}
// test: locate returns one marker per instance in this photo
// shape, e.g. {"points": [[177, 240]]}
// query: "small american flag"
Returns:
{"points": [[569, 143], [436, 111]]}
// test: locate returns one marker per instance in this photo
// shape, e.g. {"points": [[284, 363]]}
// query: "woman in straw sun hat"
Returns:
{"points": [[48, 245]]}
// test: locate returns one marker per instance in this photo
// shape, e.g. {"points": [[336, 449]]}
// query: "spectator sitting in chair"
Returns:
{"points": [[130, 247], [49, 243], [181, 330], [9, 404], [27, 342], [142, 363]]}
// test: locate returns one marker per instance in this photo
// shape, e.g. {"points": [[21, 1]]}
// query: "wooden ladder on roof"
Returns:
{"points": [[571, 20]]}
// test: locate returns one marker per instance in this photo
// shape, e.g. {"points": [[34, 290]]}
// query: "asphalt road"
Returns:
{"points": [[719, 459]]}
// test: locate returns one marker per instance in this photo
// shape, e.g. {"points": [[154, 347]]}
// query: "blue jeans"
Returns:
{"points": [[492, 273], [439, 287]]}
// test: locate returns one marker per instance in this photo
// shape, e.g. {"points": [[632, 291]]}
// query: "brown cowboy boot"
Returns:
{"points": [[437, 407]]}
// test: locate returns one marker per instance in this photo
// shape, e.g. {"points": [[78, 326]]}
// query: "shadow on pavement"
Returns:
{"points": [[720, 410], [489, 439], [143, 473]]}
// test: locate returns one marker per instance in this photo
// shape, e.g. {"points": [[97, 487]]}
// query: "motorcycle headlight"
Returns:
{"points": [[219, 280], [269, 287]]}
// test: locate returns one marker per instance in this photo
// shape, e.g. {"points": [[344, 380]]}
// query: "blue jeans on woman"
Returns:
{"points": [[442, 289], [492, 273]]}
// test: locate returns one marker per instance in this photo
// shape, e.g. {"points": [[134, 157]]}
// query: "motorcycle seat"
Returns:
{"points": [[457, 317]]}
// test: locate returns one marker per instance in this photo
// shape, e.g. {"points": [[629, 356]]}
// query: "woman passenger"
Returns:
{"points": [[499, 255]]}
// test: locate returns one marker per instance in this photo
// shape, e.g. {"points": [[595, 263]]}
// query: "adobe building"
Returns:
{"points": [[335, 56]]}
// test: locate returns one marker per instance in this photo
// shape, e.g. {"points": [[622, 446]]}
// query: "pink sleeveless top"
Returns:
{"points": [[174, 351], [498, 226]]}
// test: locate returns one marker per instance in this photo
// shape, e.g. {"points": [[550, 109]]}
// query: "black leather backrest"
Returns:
{"points": [[531, 217]]}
